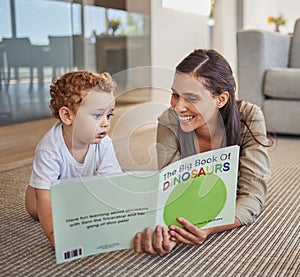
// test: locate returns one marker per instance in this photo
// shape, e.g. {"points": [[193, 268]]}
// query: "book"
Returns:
{"points": [[97, 214]]}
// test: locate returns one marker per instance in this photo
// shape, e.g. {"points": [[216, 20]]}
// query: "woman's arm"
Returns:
{"points": [[254, 166]]}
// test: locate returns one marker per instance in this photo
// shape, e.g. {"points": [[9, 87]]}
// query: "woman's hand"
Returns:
{"points": [[165, 241], [160, 246], [191, 234]]}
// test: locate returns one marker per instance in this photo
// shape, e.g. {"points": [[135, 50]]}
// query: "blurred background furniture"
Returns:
{"points": [[61, 53], [115, 53], [21, 53], [127, 59], [18, 54], [269, 76], [2, 69]]}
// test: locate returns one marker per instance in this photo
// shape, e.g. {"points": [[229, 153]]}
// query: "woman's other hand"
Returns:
{"points": [[191, 234], [160, 245]]}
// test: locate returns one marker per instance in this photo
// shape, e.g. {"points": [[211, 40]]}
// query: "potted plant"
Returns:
{"points": [[277, 21]]}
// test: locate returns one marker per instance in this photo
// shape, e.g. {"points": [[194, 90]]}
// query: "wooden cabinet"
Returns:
{"points": [[115, 54]]}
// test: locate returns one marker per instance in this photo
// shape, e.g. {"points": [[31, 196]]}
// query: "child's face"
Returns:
{"points": [[92, 121]]}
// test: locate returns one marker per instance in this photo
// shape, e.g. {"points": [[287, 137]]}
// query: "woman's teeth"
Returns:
{"points": [[186, 118]]}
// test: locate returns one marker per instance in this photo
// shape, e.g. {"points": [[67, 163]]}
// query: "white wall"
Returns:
{"points": [[256, 13], [175, 34]]}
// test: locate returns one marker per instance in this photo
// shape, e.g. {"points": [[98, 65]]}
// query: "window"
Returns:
{"points": [[40, 39]]}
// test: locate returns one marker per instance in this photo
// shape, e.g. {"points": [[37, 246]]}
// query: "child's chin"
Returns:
{"points": [[96, 140]]}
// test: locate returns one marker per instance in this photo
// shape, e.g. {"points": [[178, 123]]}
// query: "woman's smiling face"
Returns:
{"points": [[194, 104]]}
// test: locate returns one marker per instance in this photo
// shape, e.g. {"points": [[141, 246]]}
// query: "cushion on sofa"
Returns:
{"points": [[282, 116], [282, 83], [295, 46]]}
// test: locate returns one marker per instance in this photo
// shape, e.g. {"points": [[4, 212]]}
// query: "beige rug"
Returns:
{"points": [[270, 247]]}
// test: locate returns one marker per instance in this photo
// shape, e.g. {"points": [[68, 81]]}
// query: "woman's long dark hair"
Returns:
{"points": [[212, 69]]}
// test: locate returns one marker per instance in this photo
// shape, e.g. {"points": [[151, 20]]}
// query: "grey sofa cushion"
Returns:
{"points": [[295, 46], [282, 116], [282, 83]]}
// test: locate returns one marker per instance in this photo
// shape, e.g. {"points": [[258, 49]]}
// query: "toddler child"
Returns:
{"points": [[77, 145]]}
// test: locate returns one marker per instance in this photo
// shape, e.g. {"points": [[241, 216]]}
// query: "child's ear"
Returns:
{"points": [[66, 115]]}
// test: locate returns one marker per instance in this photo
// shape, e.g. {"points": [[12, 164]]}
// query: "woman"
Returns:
{"points": [[205, 115]]}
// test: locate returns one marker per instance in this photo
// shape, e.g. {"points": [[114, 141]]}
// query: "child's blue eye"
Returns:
{"points": [[97, 116]]}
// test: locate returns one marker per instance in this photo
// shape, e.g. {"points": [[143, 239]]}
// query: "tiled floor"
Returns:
{"points": [[21, 102]]}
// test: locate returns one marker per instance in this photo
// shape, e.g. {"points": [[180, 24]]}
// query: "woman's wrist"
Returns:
{"points": [[218, 229]]}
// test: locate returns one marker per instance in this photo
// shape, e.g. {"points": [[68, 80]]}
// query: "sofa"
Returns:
{"points": [[268, 74]]}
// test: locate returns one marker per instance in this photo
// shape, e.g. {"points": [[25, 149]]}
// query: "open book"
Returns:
{"points": [[103, 213]]}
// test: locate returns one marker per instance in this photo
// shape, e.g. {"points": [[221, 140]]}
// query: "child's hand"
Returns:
{"points": [[161, 246], [191, 234]]}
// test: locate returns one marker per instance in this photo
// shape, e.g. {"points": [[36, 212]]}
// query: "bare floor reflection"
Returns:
{"points": [[22, 101]]}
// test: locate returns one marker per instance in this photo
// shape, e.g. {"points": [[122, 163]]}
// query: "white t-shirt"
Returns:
{"points": [[53, 160]]}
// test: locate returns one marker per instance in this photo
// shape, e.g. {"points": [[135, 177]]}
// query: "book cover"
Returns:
{"points": [[98, 214]]}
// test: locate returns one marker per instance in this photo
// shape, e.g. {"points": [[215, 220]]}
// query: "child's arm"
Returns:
{"points": [[45, 213]]}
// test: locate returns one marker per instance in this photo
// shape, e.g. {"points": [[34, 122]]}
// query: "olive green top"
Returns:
{"points": [[254, 165]]}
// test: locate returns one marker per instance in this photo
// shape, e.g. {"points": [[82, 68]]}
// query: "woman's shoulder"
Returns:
{"points": [[253, 121], [249, 111], [168, 118]]}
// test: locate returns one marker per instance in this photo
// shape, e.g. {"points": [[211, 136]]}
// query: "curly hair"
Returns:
{"points": [[70, 89]]}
